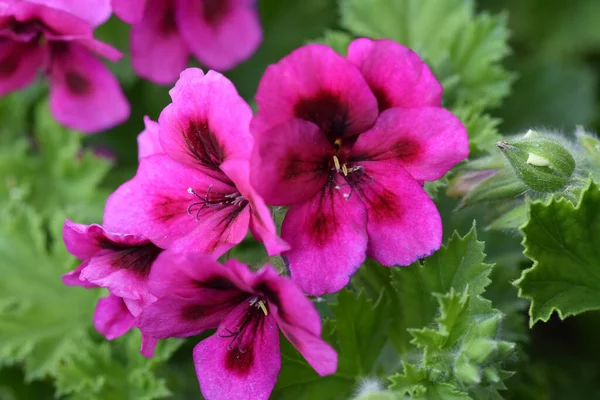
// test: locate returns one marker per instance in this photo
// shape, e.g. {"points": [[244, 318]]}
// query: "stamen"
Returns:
{"points": [[263, 307], [336, 162], [345, 169]]}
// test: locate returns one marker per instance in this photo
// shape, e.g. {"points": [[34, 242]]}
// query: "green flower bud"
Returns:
{"points": [[498, 185], [590, 144], [539, 162]]}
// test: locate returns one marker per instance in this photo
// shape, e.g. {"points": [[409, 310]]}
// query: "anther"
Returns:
{"points": [[263, 307], [336, 162]]}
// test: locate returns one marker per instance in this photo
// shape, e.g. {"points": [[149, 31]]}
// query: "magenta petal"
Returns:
{"points": [[80, 240], [207, 122], [93, 11], [19, 64], [299, 321], [148, 345], [112, 318], [403, 222], [129, 11], [158, 52], [396, 74], [239, 371], [148, 140], [157, 204], [316, 84], [290, 163], [84, 95], [261, 221], [222, 33], [73, 278], [328, 238], [425, 141]]}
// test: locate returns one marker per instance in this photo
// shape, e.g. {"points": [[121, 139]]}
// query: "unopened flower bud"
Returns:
{"points": [[499, 186], [539, 161], [590, 144]]}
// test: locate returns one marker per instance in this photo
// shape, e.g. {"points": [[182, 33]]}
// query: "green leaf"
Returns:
{"points": [[42, 322], [562, 240], [337, 40], [458, 265], [416, 383], [115, 371], [52, 172]]}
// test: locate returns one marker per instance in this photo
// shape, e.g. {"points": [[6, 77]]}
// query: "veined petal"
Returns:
{"points": [[239, 367], [112, 318], [396, 74], [426, 141], [73, 278], [220, 33], [158, 204], [328, 238], [84, 94], [129, 11], [19, 64], [298, 319], [158, 51], [148, 141], [207, 123], [403, 222], [290, 163], [316, 84], [261, 221]]}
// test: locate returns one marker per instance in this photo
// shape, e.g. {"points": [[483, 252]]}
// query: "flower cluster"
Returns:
{"points": [[346, 143], [219, 33], [56, 38]]}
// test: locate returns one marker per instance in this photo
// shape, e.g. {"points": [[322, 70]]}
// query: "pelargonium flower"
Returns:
{"points": [[194, 192], [219, 33], [84, 95], [241, 360], [346, 143], [119, 262]]}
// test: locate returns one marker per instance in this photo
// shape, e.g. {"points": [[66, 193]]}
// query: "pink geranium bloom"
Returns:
{"points": [[196, 195], [118, 262], [84, 95], [241, 360], [219, 33], [347, 143]]}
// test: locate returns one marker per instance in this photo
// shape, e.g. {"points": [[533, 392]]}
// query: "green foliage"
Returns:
{"points": [[51, 171], [562, 240], [42, 323], [115, 371]]}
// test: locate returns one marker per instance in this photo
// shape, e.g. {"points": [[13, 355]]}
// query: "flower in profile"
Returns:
{"points": [[121, 263], [346, 143], [194, 192], [219, 33], [241, 360], [84, 95]]}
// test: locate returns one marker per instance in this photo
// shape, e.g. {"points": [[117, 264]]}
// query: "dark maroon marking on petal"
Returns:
{"points": [[138, 259], [322, 226], [203, 145], [215, 282], [327, 111], [269, 294], [226, 221], [165, 208], [240, 360], [382, 204], [383, 101], [405, 149], [296, 166], [168, 23], [77, 83], [8, 66], [194, 312], [214, 11]]}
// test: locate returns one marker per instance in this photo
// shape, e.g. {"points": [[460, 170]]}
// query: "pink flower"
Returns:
{"points": [[118, 262], [241, 360], [346, 143], [219, 33], [196, 196], [84, 95]]}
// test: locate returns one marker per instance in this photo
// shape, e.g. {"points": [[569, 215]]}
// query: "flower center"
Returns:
{"points": [[257, 310], [214, 201]]}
